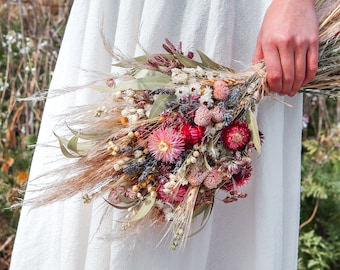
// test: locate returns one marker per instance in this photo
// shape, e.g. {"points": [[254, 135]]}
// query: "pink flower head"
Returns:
{"points": [[114, 195], [202, 116], [221, 90], [192, 134], [236, 136], [213, 179], [130, 194], [218, 114], [175, 196], [166, 144], [197, 178]]}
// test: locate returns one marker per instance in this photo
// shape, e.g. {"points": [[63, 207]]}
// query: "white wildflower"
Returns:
{"points": [[178, 76], [206, 98]]}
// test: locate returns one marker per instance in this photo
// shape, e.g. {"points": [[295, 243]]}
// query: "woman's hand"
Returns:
{"points": [[288, 43]]}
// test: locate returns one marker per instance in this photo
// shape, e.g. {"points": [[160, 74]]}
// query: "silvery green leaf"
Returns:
{"points": [[187, 62], [146, 83], [124, 199], [160, 104], [64, 150], [145, 208], [90, 136], [207, 62]]}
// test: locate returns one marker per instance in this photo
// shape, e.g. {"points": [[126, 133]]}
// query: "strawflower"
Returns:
{"points": [[166, 144], [236, 136]]}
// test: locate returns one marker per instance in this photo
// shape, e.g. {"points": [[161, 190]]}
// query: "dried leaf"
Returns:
{"points": [[72, 144], [89, 136], [7, 164], [187, 62], [207, 211], [145, 208], [64, 150], [22, 177], [145, 80], [160, 104], [200, 210], [252, 122], [207, 62], [123, 199]]}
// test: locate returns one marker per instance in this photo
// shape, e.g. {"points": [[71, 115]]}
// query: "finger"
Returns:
{"points": [[273, 66], [312, 62], [287, 56], [258, 53], [300, 69]]}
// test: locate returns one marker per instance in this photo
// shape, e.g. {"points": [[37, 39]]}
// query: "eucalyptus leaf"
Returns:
{"points": [[73, 143], [64, 150], [145, 208], [200, 210], [252, 122], [123, 199], [147, 83], [143, 73], [160, 104], [187, 62], [207, 212], [90, 136], [207, 62]]}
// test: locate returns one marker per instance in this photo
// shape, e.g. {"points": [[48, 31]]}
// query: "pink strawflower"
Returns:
{"points": [[202, 116], [213, 179], [221, 90], [236, 136], [166, 144], [175, 196]]}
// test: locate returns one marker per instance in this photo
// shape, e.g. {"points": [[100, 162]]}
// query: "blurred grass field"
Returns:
{"points": [[30, 36]]}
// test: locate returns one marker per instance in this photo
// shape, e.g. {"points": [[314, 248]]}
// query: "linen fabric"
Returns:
{"points": [[259, 232]]}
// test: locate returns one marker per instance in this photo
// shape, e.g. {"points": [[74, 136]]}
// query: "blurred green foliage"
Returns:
{"points": [[319, 241]]}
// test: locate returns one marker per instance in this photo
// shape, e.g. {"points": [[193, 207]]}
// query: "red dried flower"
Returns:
{"points": [[236, 136], [192, 134], [174, 197], [243, 176], [239, 179]]}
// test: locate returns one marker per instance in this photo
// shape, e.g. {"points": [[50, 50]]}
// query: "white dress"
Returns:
{"points": [[259, 232]]}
